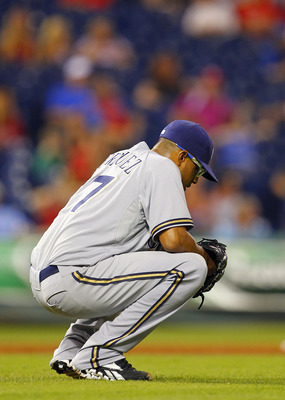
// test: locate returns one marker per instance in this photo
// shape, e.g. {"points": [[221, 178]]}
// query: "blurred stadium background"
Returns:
{"points": [[82, 78]]}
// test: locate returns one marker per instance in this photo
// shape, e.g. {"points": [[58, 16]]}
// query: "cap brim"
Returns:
{"points": [[209, 174]]}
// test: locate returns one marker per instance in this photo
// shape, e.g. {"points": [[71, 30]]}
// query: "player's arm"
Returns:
{"points": [[179, 240]]}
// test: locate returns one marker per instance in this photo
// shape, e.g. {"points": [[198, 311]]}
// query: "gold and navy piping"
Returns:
{"points": [[179, 275], [171, 223], [117, 279], [94, 357]]}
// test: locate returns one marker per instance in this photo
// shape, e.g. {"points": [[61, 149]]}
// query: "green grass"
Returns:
{"points": [[197, 377]]}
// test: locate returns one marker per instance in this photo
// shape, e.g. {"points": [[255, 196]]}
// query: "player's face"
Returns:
{"points": [[189, 173], [190, 169]]}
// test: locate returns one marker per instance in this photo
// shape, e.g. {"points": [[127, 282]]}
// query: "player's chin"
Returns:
{"points": [[187, 185]]}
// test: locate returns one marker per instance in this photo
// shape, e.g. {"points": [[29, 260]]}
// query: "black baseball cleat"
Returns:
{"points": [[118, 371], [65, 367]]}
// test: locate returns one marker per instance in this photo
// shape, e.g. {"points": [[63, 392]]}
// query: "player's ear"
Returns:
{"points": [[182, 155]]}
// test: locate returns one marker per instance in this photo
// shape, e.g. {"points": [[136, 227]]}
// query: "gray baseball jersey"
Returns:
{"points": [[133, 196]]}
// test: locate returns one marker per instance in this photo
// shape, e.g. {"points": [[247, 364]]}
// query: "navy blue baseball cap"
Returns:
{"points": [[194, 139]]}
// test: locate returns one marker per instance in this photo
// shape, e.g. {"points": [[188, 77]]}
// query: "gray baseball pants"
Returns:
{"points": [[118, 301]]}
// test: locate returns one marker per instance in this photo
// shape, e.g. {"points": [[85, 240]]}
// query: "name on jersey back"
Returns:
{"points": [[124, 160]]}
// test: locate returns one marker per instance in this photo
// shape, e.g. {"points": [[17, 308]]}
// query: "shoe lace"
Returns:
{"points": [[124, 364]]}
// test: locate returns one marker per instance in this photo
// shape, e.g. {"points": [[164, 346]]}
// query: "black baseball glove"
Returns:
{"points": [[217, 252]]}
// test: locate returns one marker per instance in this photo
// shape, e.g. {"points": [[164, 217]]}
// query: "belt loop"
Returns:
{"points": [[48, 271]]}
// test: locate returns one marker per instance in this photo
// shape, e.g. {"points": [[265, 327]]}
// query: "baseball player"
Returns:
{"points": [[119, 257]]}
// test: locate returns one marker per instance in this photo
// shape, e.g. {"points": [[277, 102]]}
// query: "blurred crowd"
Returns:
{"points": [[80, 79]]}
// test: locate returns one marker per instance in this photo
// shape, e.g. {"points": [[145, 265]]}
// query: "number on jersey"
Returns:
{"points": [[101, 182]]}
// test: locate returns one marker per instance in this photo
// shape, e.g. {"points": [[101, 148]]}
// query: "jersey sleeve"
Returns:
{"points": [[163, 197]]}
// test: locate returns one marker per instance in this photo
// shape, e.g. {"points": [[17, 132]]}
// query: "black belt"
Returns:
{"points": [[48, 271]]}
